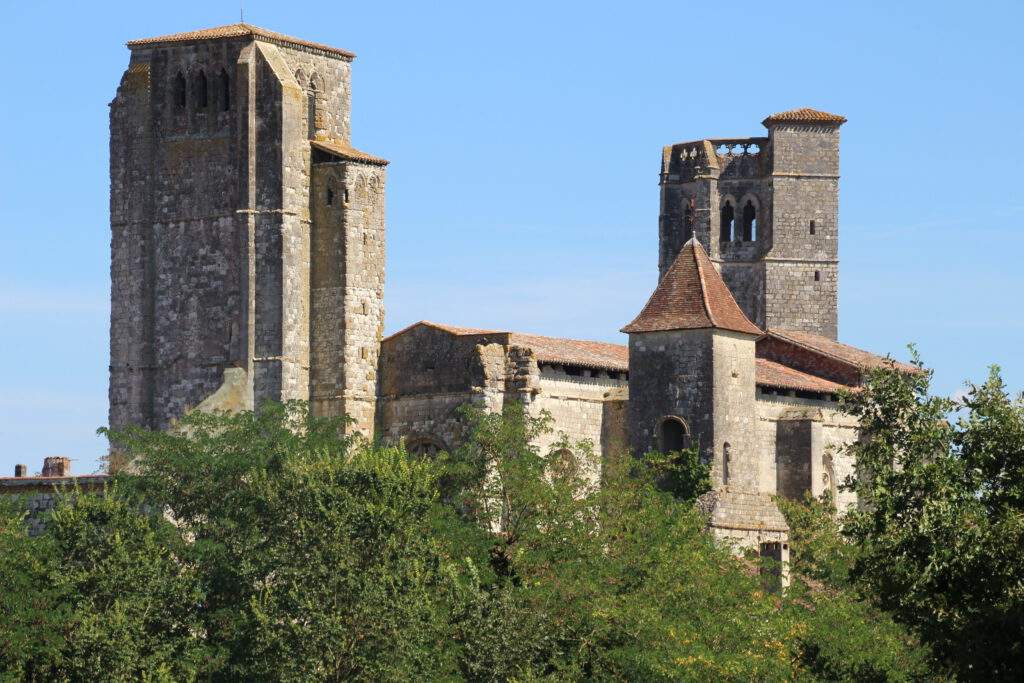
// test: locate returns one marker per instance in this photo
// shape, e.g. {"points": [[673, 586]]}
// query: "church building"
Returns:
{"points": [[247, 264]]}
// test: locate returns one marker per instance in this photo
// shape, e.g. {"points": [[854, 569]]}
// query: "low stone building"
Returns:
{"points": [[247, 264], [38, 493]]}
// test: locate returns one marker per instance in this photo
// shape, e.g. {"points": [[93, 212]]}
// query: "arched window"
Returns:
{"points": [[200, 92], [688, 221], [178, 88], [673, 435], [728, 221], [225, 91], [311, 109], [749, 221], [424, 446]]}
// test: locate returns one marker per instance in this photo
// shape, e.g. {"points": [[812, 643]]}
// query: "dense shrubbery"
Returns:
{"points": [[295, 554]]}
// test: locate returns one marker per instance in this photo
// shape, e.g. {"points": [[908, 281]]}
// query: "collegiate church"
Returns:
{"points": [[247, 264]]}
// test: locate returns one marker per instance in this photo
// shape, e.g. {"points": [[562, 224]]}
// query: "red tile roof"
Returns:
{"points": [[451, 329], [691, 296], [772, 374], [608, 356], [844, 353], [346, 151], [804, 115], [235, 31], [590, 354]]}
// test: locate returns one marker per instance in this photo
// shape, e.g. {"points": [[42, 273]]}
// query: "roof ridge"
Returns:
{"points": [[237, 30], [691, 296], [703, 283]]}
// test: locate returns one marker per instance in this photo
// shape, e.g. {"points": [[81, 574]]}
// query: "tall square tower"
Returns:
{"points": [[247, 248], [767, 211]]}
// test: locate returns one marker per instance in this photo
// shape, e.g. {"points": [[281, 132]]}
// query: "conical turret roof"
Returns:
{"points": [[692, 296]]}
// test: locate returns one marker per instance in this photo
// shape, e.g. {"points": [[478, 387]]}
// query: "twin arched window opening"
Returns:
{"points": [[748, 222]]}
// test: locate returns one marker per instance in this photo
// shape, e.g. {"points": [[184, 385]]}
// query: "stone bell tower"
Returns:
{"points": [[766, 210], [247, 248]]}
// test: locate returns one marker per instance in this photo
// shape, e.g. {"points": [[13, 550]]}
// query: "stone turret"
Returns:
{"points": [[692, 380]]}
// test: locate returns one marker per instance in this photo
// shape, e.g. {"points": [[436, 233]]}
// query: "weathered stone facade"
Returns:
{"points": [[223, 255]]}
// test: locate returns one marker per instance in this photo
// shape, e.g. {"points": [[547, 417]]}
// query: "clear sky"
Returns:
{"points": [[525, 139]]}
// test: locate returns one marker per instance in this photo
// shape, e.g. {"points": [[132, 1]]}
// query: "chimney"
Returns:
{"points": [[56, 466], [20, 470]]}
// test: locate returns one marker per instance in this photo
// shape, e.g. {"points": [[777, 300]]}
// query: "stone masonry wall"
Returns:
{"points": [[670, 374], [176, 267], [347, 279], [210, 221], [790, 466], [805, 180], [578, 408], [734, 415]]}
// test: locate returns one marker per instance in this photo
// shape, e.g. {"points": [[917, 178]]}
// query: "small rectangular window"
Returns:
{"points": [[330, 196], [817, 276], [812, 227]]}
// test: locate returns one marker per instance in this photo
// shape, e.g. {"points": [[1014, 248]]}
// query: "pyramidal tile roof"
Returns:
{"points": [[239, 30], [804, 115], [691, 296]]}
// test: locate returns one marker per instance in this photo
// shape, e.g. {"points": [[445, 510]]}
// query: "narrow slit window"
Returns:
{"points": [[201, 94], [311, 110], [225, 91], [179, 91], [817, 276], [330, 196], [728, 220], [688, 221], [813, 227]]}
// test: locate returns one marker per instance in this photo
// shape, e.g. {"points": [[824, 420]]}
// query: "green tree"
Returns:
{"points": [[315, 551], [940, 532], [105, 595]]}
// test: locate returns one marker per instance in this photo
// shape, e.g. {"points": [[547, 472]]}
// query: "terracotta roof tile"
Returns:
{"points": [[845, 353], [235, 31], [691, 296], [804, 115], [772, 374], [346, 151], [590, 354], [451, 329], [608, 356]]}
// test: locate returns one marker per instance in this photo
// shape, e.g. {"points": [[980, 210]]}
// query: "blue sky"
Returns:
{"points": [[525, 140]]}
